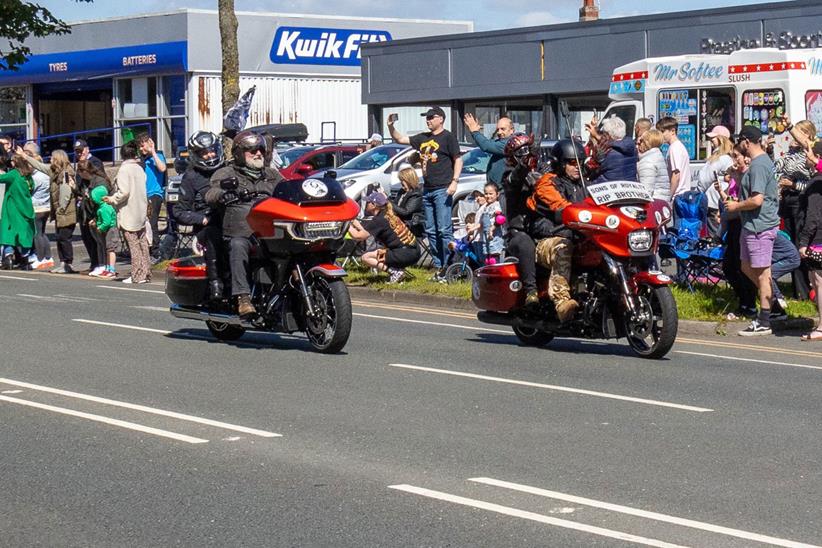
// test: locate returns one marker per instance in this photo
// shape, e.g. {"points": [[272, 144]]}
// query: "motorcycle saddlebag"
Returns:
{"points": [[186, 282], [497, 288]]}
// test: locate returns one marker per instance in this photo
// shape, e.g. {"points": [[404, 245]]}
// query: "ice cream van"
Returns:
{"points": [[748, 87]]}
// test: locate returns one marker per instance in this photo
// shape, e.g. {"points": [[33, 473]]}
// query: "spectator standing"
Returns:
{"points": [[6, 152], [810, 242], [785, 259], [640, 127], [717, 164], [374, 141], [495, 147], [652, 171], [679, 161], [41, 200], [64, 196], [131, 203], [614, 155], [17, 216], [441, 168], [758, 207], [92, 177], [408, 205], [155, 168], [106, 224], [491, 220]]}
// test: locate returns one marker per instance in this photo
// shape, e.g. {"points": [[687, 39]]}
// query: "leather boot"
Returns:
{"points": [[215, 290], [244, 306], [566, 310], [532, 298]]}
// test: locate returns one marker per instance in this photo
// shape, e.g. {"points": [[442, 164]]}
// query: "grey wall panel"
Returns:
{"points": [[680, 40], [495, 64], [408, 71], [586, 59]]}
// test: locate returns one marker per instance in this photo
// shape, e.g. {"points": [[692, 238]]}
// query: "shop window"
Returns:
{"points": [[138, 98], [697, 111], [13, 112], [813, 109]]}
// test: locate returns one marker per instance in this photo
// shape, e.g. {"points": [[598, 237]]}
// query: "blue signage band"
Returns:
{"points": [[321, 46]]}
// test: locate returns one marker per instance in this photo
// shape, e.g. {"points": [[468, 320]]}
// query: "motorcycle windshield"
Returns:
{"points": [[619, 192], [311, 191]]}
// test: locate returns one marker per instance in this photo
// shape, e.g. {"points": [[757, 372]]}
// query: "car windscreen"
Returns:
{"points": [[475, 161], [290, 156], [374, 158]]}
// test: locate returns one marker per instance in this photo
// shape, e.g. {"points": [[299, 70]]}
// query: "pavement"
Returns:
{"points": [[124, 426]]}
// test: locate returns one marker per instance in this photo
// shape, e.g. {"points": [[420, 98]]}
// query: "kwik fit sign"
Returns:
{"points": [[318, 46]]}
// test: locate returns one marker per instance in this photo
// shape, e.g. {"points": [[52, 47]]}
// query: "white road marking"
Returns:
{"points": [[515, 512], [106, 420], [11, 392], [643, 513], [153, 308], [143, 408], [555, 387], [5, 277], [39, 297], [76, 297], [734, 358], [131, 289], [124, 326], [507, 332]]}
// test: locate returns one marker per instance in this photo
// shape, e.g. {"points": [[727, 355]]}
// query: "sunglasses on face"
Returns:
{"points": [[431, 117], [255, 151]]}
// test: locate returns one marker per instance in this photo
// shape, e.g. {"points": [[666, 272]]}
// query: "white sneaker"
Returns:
{"points": [[97, 271], [128, 280]]}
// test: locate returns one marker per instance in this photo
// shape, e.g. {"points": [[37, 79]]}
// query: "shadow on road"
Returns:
{"points": [[249, 341], [567, 346]]}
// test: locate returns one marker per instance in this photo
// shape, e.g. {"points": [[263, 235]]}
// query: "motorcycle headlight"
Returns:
{"points": [[640, 240], [330, 230]]}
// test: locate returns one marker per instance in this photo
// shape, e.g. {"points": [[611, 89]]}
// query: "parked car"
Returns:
{"points": [[380, 165], [302, 161]]}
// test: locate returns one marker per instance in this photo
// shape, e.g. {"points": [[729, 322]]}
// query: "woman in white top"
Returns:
{"points": [[715, 167], [651, 169]]}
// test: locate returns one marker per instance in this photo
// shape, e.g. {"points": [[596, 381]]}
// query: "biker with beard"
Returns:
{"points": [[517, 183], [553, 192], [253, 180], [205, 157]]}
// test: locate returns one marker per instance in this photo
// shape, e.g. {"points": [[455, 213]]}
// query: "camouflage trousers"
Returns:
{"points": [[555, 253]]}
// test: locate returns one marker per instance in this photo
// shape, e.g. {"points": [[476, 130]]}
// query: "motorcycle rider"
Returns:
{"points": [[517, 184], [205, 156], [553, 192], [252, 179]]}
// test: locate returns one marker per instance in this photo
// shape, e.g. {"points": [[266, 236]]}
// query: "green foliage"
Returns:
{"points": [[18, 21], [417, 282]]}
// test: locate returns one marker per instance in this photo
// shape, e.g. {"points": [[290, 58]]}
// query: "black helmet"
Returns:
{"points": [[200, 143], [566, 151], [247, 141]]}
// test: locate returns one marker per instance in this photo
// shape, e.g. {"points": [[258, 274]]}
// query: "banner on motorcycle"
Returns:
{"points": [[619, 191]]}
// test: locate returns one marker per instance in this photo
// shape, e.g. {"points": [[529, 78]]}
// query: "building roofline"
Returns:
{"points": [[277, 14]]}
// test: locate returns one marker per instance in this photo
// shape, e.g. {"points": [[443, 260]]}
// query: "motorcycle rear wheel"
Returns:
{"points": [[329, 331], [654, 339], [225, 331], [530, 336]]}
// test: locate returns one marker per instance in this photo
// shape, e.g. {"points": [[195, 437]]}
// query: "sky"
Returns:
{"points": [[486, 14]]}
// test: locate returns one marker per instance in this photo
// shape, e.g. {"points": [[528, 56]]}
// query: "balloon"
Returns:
{"points": [[500, 219]]}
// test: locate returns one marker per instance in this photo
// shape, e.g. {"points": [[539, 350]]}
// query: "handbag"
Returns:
{"points": [[813, 257]]}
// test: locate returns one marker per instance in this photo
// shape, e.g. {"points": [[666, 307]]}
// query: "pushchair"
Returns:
{"points": [[698, 258]]}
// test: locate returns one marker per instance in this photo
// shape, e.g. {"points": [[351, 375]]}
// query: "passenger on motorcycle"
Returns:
{"points": [[233, 189], [517, 183], [553, 193], [205, 157]]}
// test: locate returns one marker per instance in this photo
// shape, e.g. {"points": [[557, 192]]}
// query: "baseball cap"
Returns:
{"points": [[434, 111], [80, 144], [375, 137], [719, 131], [377, 198], [751, 133]]}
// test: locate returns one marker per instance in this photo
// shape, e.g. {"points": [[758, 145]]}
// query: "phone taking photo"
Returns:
{"points": [[393, 117]]}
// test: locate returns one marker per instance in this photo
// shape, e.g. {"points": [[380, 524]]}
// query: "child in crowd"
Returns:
{"points": [[106, 224], [487, 230]]}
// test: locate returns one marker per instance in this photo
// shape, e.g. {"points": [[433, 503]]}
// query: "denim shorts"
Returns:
{"points": [[756, 248]]}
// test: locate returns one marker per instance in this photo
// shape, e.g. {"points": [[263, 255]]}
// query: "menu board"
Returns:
{"points": [[682, 105], [764, 109]]}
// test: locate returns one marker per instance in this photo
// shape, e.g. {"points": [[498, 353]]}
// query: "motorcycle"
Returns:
{"points": [[295, 284], [614, 277]]}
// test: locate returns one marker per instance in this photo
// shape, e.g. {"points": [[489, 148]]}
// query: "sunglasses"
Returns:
{"points": [[432, 116]]}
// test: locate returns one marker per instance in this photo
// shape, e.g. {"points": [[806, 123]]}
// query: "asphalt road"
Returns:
{"points": [[123, 426]]}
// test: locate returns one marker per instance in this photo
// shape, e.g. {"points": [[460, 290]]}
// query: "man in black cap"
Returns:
{"points": [[758, 207], [441, 168]]}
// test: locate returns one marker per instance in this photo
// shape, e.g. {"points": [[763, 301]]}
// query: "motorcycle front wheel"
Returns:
{"points": [[654, 334], [328, 330]]}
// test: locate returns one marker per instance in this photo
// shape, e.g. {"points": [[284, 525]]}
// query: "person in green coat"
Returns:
{"points": [[17, 216], [105, 222]]}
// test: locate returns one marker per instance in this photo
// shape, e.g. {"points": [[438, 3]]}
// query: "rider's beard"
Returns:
{"points": [[256, 163]]}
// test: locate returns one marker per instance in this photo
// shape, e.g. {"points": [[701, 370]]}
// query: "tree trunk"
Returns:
{"points": [[231, 57]]}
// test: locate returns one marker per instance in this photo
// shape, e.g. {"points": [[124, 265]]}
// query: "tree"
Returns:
{"points": [[18, 21], [231, 56]]}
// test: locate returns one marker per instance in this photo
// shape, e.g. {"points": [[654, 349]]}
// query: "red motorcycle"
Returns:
{"points": [[614, 279], [296, 286]]}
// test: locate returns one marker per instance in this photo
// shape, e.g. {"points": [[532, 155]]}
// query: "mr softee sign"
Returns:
{"points": [[322, 46]]}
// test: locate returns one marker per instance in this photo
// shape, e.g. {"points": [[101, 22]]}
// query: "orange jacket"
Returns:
{"points": [[548, 195]]}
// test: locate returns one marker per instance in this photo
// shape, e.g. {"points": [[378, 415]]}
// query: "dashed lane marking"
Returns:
{"points": [[734, 358], [747, 535], [555, 388], [532, 516], [770, 349], [142, 408], [153, 308], [124, 326], [106, 420], [134, 289], [5, 277], [407, 320]]}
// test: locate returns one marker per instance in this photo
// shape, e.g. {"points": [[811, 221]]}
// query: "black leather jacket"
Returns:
{"points": [[192, 208], [517, 184], [234, 214], [552, 193], [408, 205]]}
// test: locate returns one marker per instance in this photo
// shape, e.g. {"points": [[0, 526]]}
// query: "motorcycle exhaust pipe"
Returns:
{"points": [[186, 313], [495, 318]]}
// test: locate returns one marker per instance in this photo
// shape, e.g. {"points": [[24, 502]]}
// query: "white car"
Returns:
{"points": [[380, 165]]}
